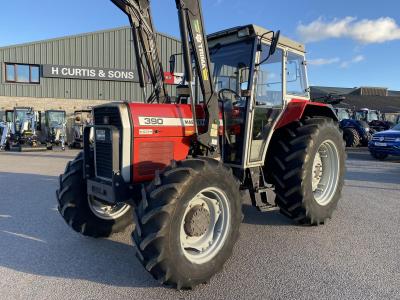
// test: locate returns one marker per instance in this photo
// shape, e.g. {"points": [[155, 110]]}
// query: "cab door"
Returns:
{"points": [[267, 104]]}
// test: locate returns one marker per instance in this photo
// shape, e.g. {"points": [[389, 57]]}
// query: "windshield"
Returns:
{"points": [[56, 117], [368, 116], [343, 114], [373, 116], [20, 115], [231, 65]]}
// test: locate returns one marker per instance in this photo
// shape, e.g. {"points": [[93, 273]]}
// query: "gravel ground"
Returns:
{"points": [[354, 256]]}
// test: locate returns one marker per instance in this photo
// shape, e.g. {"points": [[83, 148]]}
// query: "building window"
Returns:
{"points": [[19, 73]]}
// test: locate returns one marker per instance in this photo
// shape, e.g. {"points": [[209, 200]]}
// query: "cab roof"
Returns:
{"points": [[255, 30]]}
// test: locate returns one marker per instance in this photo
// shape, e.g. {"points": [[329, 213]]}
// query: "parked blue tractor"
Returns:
{"points": [[355, 132]]}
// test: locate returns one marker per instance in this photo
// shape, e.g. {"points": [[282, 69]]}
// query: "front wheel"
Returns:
{"points": [[188, 222], [84, 214], [307, 168], [351, 137]]}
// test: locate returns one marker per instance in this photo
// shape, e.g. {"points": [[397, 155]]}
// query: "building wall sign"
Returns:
{"points": [[55, 71]]}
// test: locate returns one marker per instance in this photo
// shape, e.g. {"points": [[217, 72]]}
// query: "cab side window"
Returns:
{"points": [[296, 83]]}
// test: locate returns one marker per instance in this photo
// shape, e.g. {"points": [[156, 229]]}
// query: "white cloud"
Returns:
{"points": [[323, 61], [358, 58], [364, 31], [355, 60], [336, 60]]}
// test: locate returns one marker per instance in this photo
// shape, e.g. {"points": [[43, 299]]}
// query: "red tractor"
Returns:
{"points": [[178, 169]]}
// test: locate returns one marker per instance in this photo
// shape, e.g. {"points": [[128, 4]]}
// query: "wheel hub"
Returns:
{"points": [[197, 221], [107, 212], [205, 225], [317, 171]]}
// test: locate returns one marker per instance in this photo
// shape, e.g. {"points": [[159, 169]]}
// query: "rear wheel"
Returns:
{"points": [[84, 214], [351, 137], [308, 165], [188, 222]]}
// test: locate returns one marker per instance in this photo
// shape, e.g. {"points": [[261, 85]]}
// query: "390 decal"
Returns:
{"points": [[153, 121], [158, 121]]}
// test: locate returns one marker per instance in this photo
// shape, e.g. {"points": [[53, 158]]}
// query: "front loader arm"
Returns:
{"points": [[144, 39], [194, 44]]}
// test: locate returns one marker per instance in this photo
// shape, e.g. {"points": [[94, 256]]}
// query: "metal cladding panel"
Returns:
{"points": [[106, 49]]}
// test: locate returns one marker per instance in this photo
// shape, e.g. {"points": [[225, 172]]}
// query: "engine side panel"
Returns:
{"points": [[161, 133]]}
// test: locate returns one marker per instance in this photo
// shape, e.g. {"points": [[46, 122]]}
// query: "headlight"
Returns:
{"points": [[397, 140], [367, 129]]}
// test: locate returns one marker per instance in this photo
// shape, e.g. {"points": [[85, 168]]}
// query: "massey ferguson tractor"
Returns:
{"points": [[178, 170]]}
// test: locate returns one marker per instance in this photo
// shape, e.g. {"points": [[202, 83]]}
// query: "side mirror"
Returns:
{"points": [[273, 47], [275, 41], [172, 63]]}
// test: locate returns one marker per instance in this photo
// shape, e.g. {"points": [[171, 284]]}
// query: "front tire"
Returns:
{"points": [[307, 168], [85, 215], [351, 137], [188, 203]]}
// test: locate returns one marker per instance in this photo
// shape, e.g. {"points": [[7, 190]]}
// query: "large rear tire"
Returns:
{"points": [[307, 166], [351, 137], [86, 215], [188, 222]]}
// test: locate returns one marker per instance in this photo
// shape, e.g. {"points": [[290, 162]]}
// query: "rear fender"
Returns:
{"points": [[299, 109]]}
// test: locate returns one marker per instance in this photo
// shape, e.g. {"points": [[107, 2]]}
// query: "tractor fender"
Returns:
{"points": [[298, 109]]}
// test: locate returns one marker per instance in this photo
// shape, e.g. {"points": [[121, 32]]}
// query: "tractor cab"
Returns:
{"points": [[25, 122], [343, 113], [255, 77], [367, 115], [374, 119], [55, 128], [392, 118]]}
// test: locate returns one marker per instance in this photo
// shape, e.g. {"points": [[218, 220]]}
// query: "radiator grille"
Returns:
{"points": [[104, 149]]}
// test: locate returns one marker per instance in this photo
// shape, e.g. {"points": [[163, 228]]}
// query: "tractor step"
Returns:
{"points": [[266, 207]]}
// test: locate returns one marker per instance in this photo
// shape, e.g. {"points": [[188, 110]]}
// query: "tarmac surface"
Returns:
{"points": [[355, 256]]}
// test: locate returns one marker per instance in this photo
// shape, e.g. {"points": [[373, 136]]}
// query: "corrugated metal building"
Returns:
{"points": [[55, 73]]}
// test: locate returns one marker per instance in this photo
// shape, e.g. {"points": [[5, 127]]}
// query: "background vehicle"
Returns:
{"points": [[24, 124], [392, 118], [355, 132], [5, 129], [373, 118], [385, 143], [180, 170], [82, 118], [55, 128]]}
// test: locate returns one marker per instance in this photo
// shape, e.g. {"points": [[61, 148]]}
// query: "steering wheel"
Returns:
{"points": [[221, 94]]}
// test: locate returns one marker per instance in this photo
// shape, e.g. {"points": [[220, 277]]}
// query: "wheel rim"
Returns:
{"points": [[202, 246], [325, 172], [107, 212]]}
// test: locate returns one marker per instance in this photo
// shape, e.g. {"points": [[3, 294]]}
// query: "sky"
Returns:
{"points": [[349, 42]]}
